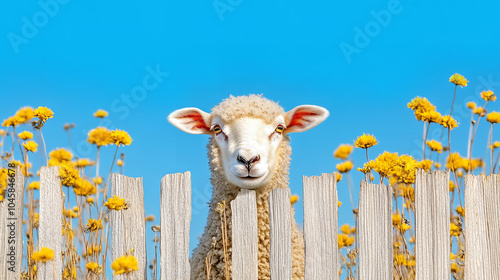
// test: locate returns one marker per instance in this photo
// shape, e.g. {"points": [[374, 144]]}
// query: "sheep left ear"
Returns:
{"points": [[191, 120], [304, 117]]}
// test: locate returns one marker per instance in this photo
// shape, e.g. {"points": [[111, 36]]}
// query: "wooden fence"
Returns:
{"points": [[432, 211]]}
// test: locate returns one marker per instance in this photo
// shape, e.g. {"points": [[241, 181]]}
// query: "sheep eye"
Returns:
{"points": [[280, 128], [217, 130]]}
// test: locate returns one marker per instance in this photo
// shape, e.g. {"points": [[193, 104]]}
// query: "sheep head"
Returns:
{"points": [[248, 138]]}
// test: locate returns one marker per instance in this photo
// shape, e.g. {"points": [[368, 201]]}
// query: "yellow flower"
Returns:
{"points": [[116, 203], [451, 186], [151, 218], [12, 121], [34, 185], [25, 114], [455, 230], [345, 229], [70, 213], [31, 146], [420, 105], [294, 198], [99, 136], [93, 267], [367, 167], [384, 163], [339, 203], [435, 146], [69, 273], [93, 225], [43, 113], [90, 200], [471, 105], [495, 145], [84, 162], [404, 227], [338, 176], [83, 187], [45, 254], [396, 219], [100, 114], [454, 267], [425, 164], [480, 111], [493, 117], [59, 157], [448, 122], [454, 161], [120, 137], [431, 116], [343, 151], [119, 162], [69, 175], [460, 211], [404, 170], [365, 141], [488, 95], [344, 167], [97, 180], [2, 132], [125, 264], [344, 240], [25, 135], [458, 80]]}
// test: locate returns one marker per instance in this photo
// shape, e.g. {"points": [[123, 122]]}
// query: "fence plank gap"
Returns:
{"points": [[51, 222], [175, 221], [432, 208], [129, 226], [280, 224], [11, 226], [244, 236], [375, 232], [320, 227]]}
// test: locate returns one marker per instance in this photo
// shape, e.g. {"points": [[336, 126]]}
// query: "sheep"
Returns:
{"points": [[249, 148]]}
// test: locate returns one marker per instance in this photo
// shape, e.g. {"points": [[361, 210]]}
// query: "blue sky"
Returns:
{"points": [[362, 60]]}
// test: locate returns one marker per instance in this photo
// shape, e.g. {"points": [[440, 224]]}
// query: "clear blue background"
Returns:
{"points": [[88, 55]]}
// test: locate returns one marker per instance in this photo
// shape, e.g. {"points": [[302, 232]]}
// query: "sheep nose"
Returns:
{"points": [[246, 162]]}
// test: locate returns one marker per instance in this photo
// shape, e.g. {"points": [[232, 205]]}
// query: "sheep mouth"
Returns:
{"points": [[250, 177]]}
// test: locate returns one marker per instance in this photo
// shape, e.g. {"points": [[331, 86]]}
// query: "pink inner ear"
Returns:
{"points": [[300, 117], [196, 121]]}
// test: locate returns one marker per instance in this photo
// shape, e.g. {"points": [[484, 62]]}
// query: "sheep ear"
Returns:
{"points": [[191, 120], [304, 117]]}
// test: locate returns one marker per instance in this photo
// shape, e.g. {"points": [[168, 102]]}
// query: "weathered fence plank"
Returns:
{"points": [[375, 232], [175, 221], [280, 224], [51, 222], [492, 204], [244, 236], [482, 227], [11, 226], [129, 226], [432, 225], [320, 227]]}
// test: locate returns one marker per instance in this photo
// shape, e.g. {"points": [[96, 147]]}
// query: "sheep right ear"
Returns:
{"points": [[191, 120]]}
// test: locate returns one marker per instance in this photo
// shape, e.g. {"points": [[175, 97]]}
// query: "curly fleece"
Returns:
{"points": [[228, 110]]}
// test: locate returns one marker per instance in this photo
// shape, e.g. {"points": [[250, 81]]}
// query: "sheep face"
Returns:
{"points": [[248, 143], [248, 148]]}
